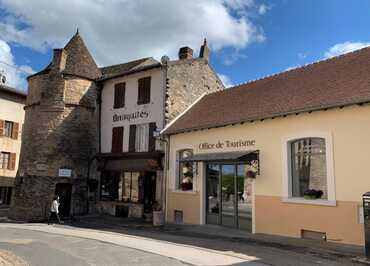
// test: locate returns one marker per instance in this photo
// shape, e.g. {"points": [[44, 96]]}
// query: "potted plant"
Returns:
{"points": [[313, 194], [158, 215]]}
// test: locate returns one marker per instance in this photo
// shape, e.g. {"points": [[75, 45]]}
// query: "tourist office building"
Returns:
{"points": [[285, 155]]}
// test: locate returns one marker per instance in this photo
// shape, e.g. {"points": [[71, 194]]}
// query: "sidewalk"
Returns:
{"points": [[214, 232]]}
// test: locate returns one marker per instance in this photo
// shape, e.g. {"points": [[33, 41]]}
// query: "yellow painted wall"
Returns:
{"points": [[350, 130]]}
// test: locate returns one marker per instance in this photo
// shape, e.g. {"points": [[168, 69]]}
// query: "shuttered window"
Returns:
{"points": [[119, 95], [117, 139], [144, 90], [9, 129], [4, 160]]}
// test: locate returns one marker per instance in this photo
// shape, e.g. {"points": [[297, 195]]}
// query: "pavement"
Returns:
{"points": [[115, 241]]}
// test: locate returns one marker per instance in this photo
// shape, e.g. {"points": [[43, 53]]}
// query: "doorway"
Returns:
{"points": [[64, 191], [229, 195]]}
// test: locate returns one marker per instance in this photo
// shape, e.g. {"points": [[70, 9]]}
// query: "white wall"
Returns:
{"points": [[155, 107], [11, 111]]}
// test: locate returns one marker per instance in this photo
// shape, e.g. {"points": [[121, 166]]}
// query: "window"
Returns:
{"points": [[5, 195], [117, 139], [109, 185], [130, 187], [4, 160], [119, 95], [8, 129], [144, 90], [186, 170], [308, 168], [142, 138]]}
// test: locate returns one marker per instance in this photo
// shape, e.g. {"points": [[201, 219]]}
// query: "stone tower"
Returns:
{"points": [[60, 135]]}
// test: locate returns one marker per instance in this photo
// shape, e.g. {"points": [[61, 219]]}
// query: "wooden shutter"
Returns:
{"points": [[152, 128], [15, 130], [132, 139], [117, 139], [1, 127], [144, 90], [119, 95], [12, 159]]}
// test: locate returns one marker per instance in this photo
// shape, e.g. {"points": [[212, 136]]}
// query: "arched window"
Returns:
{"points": [[308, 173], [186, 170]]}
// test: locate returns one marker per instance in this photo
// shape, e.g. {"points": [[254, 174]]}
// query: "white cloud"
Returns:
{"points": [[225, 80], [262, 9], [302, 55], [343, 48], [15, 75], [121, 30]]}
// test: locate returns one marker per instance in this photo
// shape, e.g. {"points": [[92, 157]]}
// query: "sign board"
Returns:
{"points": [[65, 172], [227, 144]]}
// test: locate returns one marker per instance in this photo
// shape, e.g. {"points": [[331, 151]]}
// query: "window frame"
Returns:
{"points": [[287, 169], [10, 131], [178, 169], [142, 88], [119, 97], [2, 160]]}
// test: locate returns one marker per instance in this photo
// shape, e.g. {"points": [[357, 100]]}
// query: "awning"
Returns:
{"points": [[240, 156], [131, 162]]}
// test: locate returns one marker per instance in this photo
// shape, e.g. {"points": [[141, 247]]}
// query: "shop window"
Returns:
{"points": [[308, 173], [5, 195], [109, 184], [130, 187], [144, 90], [186, 171]]}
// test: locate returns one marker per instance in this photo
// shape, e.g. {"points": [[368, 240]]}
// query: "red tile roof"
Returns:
{"points": [[335, 82]]}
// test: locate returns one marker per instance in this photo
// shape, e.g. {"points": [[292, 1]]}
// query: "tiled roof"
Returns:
{"points": [[12, 90], [335, 82], [79, 60], [129, 67]]}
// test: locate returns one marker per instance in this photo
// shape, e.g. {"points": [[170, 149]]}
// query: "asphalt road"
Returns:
{"points": [[23, 247]]}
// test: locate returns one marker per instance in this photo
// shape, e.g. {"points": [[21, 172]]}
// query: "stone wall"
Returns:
{"points": [[60, 131], [187, 80]]}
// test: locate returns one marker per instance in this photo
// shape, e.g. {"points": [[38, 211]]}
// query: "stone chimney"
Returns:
{"points": [[185, 53], [204, 50], [59, 59]]}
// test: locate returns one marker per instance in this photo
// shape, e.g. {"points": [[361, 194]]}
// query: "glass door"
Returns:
{"points": [[213, 194], [228, 195], [244, 188]]}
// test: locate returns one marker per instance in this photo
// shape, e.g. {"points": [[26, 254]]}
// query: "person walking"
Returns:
{"points": [[54, 210]]}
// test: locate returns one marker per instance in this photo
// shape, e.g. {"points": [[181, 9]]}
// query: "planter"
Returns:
{"points": [[158, 218]]}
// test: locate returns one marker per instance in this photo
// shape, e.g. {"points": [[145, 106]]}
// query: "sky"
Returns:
{"points": [[249, 39]]}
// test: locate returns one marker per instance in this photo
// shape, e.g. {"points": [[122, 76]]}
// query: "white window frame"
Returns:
{"points": [[175, 187], [286, 167]]}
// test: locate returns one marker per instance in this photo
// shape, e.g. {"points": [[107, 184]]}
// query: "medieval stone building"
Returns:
{"points": [[77, 142], [59, 134]]}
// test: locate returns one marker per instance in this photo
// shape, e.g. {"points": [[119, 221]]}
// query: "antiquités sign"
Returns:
{"points": [[130, 116], [226, 144]]}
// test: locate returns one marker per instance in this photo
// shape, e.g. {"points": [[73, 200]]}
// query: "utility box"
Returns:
{"points": [[366, 206]]}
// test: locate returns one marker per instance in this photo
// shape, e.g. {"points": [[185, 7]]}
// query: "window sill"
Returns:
{"points": [[191, 192], [322, 202]]}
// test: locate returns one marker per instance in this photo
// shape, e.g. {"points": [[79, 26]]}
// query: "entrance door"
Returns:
{"points": [[64, 191], [229, 196], [149, 190]]}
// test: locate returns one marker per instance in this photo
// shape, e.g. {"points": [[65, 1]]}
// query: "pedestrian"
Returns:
{"points": [[54, 210]]}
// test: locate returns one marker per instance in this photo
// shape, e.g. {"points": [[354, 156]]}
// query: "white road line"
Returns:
{"points": [[185, 253]]}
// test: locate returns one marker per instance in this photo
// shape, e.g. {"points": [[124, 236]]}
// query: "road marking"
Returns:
{"points": [[185, 253]]}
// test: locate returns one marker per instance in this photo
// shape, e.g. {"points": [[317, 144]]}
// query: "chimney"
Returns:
{"points": [[204, 50], [185, 53], [59, 59]]}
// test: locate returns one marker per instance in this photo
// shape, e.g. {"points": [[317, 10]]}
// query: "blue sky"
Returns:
{"points": [[249, 38]]}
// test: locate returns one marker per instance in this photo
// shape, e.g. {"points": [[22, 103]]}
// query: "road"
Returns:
{"points": [[41, 245]]}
